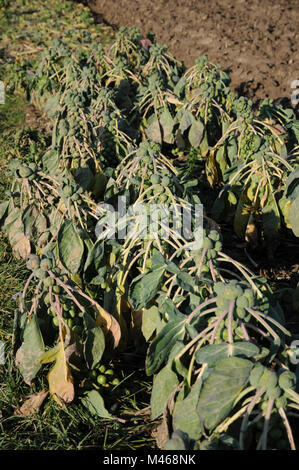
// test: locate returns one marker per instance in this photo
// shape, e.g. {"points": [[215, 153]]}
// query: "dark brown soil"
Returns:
{"points": [[256, 40]]}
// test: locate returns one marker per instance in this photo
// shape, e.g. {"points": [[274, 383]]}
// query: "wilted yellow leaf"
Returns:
{"points": [[110, 326], [61, 384]]}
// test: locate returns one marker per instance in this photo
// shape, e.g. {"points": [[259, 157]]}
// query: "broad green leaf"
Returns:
{"points": [[294, 216], [167, 124], [186, 120], [84, 178], [232, 149], [292, 185], [164, 384], [94, 261], [271, 219], [185, 415], [186, 281], [151, 322], [160, 348], [94, 344], [153, 130], [212, 353], [180, 441], [196, 133], [29, 218], [95, 404], [28, 355], [144, 288], [71, 247], [51, 161], [221, 388]]}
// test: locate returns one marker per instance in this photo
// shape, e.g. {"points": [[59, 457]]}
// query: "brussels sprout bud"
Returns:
{"points": [[287, 380]]}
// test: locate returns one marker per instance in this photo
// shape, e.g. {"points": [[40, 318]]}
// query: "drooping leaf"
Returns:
{"points": [[294, 216], [164, 384], [94, 344], [61, 384], [195, 134], [70, 246], [153, 130], [167, 124], [21, 246], [185, 415], [161, 346], [3, 209], [32, 404], [186, 120], [28, 355], [144, 288], [221, 388], [213, 353], [94, 262], [152, 322], [109, 326], [180, 441], [292, 185], [95, 404]]}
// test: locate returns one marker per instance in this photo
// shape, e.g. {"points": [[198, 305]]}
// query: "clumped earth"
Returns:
{"points": [[256, 41]]}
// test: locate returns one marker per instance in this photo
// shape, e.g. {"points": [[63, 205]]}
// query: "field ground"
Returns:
{"points": [[257, 41]]}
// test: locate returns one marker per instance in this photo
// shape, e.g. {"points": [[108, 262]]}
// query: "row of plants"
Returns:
{"points": [[129, 121]]}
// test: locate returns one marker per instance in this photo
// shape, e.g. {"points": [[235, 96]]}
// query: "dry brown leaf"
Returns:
{"points": [[22, 248], [32, 404], [110, 327], [164, 431]]}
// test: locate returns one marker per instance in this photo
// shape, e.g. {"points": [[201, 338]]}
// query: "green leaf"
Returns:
{"points": [[196, 132], [180, 441], [70, 246], [51, 161], [185, 415], [160, 348], [153, 131], [95, 404], [94, 344], [271, 219], [164, 384], [151, 322], [292, 185], [212, 353], [167, 123], [186, 120], [221, 388], [3, 209], [94, 262], [28, 355], [294, 216], [144, 288]]}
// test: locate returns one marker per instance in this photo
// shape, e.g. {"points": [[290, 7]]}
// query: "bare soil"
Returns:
{"points": [[256, 40]]}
